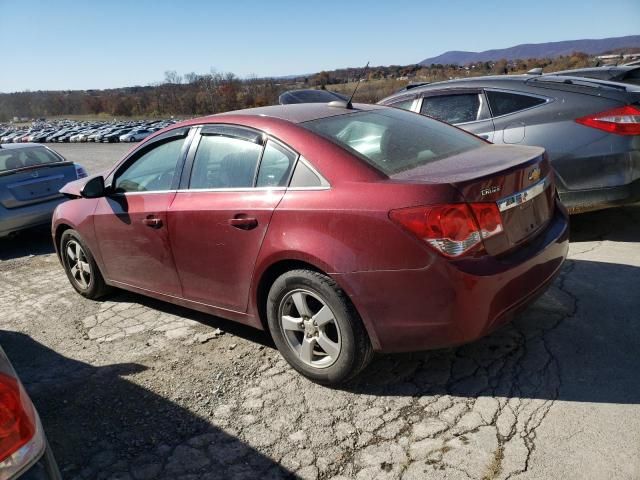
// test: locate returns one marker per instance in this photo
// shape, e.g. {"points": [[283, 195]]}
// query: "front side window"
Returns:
{"points": [[224, 162], [275, 166], [153, 171], [394, 140], [503, 103], [460, 108]]}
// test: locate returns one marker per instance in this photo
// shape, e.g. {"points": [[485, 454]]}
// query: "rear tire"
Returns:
{"points": [[80, 266], [316, 328]]}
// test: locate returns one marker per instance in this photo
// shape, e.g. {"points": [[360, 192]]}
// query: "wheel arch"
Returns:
{"points": [[60, 229], [276, 268]]}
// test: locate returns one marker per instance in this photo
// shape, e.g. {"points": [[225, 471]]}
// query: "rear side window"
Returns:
{"points": [[403, 104], [503, 103], [275, 166], [394, 140], [304, 177], [461, 108], [633, 77], [11, 159], [224, 162]]}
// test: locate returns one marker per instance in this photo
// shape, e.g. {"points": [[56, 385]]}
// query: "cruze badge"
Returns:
{"points": [[534, 175], [489, 190]]}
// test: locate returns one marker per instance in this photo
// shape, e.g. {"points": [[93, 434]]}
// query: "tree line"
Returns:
{"points": [[194, 94]]}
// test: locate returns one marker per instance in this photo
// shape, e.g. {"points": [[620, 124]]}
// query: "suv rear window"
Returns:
{"points": [[394, 140], [502, 103]]}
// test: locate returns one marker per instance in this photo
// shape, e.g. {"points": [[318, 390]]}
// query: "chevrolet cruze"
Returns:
{"points": [[341, 229]]}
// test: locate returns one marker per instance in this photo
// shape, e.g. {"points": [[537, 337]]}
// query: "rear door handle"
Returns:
{"points": [[243, 223], [153, 222]]}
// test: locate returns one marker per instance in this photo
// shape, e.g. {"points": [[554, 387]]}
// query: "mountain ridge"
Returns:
{"points": [[536, 50]]}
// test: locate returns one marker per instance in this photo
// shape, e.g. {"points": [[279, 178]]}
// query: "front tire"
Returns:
{"points": [[316, 328], [80, 266]]}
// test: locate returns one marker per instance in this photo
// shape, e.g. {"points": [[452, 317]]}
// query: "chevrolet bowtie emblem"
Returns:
{"points": [[534, 174]]}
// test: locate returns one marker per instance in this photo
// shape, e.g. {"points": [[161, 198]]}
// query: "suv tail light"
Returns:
{"points": [[452, 229], [80, 171], [621, 121], [21, 437]]}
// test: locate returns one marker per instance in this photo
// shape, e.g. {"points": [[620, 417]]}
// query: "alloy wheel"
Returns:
{"points": [[310, 328], [78, 264]]}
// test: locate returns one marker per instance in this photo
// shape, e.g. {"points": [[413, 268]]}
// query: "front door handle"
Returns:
{"points": [[152, 221], [243, 223]]}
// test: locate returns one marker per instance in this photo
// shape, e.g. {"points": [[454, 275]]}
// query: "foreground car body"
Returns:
{"points": [[340, 230], [590, 128], [24, 451], [30, 179]]}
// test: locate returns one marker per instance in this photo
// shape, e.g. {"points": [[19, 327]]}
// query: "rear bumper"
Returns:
{"points": [[451, 303], [578, 201], [20, 218], [45, 468]]}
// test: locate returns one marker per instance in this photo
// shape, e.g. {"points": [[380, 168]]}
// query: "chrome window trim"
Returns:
{"points": [[523, 196], [516, 92]]}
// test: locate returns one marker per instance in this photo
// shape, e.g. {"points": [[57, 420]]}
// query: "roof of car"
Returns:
{"points": [[15, 146], [300, 112], [548, 81], [609, 68]]}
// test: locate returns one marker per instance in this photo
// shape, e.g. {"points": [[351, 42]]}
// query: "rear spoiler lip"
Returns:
{"points": [[35, 167]]}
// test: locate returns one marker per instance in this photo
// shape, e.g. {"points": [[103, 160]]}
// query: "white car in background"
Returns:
{"points": [[135, 135]]}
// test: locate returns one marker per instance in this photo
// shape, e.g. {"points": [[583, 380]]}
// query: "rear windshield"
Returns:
{"points": [[13, 159], [394, 140]]}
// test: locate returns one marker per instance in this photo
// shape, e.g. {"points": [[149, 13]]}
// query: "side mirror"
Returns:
{"points": [[94, 188]]}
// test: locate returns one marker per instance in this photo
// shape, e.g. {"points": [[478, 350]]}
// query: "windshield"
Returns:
{"points": [[394, 140], [13, 159]]}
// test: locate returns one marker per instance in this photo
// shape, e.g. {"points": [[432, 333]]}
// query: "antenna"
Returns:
{"points": [[349, 105]]}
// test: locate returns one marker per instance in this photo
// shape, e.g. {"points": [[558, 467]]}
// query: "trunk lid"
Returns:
{"points": [[518, 179], [36, 184]]}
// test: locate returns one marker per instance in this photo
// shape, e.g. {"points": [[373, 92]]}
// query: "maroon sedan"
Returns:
{"points": [[342, 230]]}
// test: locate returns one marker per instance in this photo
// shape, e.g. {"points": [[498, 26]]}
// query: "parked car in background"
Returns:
{"points": [[623, 74], [31, 176], [589, 128], [135, 135], [114, 136], [24, 450], [441, 238]]}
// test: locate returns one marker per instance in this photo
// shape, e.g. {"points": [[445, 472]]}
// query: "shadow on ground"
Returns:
{"points": [[97, 422], [35, 241], [615, 224], [578, 343]]}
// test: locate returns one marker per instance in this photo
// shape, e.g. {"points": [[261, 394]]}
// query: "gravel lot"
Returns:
{"points": [[132, 388]]}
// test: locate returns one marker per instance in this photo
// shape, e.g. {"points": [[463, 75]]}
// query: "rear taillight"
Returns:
{"points": [[621, 121], [22, 440], [452, 229], [17, 419], [80, 171]]}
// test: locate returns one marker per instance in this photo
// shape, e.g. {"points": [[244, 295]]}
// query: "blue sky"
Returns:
{"points": [[60, 44]]}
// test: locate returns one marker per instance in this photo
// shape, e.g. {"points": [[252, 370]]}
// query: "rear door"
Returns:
{"points": [[233, 181], [32, 175], [131, 223], [464, 108], [510, 112]]}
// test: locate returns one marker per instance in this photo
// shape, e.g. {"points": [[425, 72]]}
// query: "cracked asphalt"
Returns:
{"points": [[133, 388]]}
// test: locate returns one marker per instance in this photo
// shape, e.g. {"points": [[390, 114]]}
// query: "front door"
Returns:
{"points": [[131, 223], [218, 222]]}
